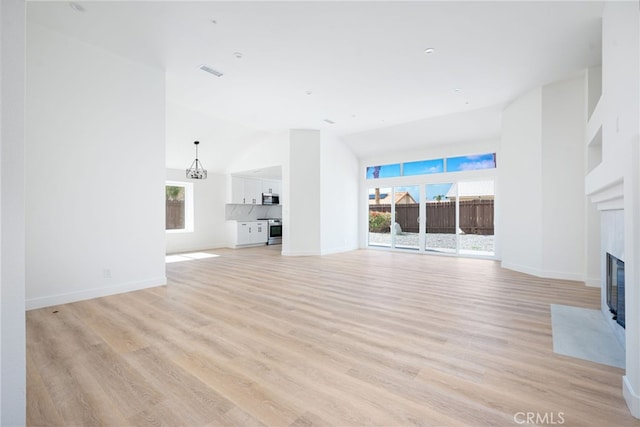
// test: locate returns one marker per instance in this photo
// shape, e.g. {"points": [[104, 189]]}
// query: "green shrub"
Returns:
{"points": [[379, 222]]}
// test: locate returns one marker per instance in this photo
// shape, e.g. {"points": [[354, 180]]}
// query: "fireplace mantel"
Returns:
{"points": [[606, 194]]}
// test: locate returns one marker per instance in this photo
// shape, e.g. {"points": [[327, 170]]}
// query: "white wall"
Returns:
{"points": [[563, 201], [541, 181], [12, 223], [620, 106], [209, 196], [266, 150], [220, 141], [301, 213], [339, 196], [95, 140], [520, 185]]}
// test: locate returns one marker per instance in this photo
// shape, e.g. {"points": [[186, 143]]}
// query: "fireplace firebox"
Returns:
{"points": [[615, 288]]}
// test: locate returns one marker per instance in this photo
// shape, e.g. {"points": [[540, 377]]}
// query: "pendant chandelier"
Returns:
{"points": [[196, 171]]}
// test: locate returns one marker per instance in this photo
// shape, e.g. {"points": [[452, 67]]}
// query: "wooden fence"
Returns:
{"points": [[476, 216], [175, 215]]}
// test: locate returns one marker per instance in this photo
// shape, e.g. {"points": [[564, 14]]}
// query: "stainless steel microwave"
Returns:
{"points": [[270, 199]]}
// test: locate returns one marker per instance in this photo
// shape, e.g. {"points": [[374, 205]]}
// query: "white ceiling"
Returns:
{"points": [[364, 62]]}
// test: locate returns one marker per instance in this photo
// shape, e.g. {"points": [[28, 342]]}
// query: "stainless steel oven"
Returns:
{"points": [[275, 232]]}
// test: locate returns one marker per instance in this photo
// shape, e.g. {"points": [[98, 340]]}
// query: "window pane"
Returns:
{"points": [[423, 167], [441, 218], [380, 217], [175, 207], [469, 163], [476, 217], [407, 225], [385, 171]]}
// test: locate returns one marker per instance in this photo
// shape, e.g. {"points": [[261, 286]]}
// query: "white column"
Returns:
{"points": [[12, 222], [631, 380]]}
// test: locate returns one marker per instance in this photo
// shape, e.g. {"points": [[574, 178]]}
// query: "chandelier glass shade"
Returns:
{"points": [[196, 171]]}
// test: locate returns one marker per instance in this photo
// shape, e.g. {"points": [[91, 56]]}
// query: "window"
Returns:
{"points": [[431, 166], [470, 163], [178, 207], [423, 167], [385, 171]]}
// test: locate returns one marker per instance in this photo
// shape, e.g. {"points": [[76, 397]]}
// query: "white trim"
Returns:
{"points": [[301, 253], [521, 268], [558, 275], [199, 247], [606, 197], [248, 245], [32, 304], [339, 250], [593, 282], [631, 397]]}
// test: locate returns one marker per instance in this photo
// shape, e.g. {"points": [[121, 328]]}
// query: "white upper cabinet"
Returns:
{"points": [[271, 186], [252, 191], [237, 190], [248, 191]]}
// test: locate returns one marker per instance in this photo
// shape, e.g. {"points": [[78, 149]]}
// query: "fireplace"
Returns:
{"points": [[615, 288]]}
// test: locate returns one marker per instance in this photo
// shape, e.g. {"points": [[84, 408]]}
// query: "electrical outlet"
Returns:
{"points": [[106, 273]]}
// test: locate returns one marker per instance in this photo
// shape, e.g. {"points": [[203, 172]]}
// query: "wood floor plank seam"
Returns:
{"points": [[252, 338]]}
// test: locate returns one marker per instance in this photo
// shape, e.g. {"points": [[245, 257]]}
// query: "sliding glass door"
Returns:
{"points": [[406, 228], [440, 215], [380, 217], [476, 214], [450, 218]]}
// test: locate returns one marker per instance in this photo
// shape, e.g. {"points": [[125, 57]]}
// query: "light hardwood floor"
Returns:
{"points": [[251, 338]]}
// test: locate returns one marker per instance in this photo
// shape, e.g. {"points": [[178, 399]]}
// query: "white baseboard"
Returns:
{"points": [[48, 301], [543, 273], [595, 283], [301, 253], [339, 250], [521, 269], [631, 397], [178, 249]]}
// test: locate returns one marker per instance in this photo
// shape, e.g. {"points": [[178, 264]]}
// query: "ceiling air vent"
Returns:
{"points": [[211, 71]]}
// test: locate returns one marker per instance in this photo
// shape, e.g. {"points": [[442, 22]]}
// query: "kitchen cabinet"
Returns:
{"points": [[271, 186], [252, 233], [246, 191], [237, 190]]}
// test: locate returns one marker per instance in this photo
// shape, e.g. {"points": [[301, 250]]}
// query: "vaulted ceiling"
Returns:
{"points": [[360, 69]]}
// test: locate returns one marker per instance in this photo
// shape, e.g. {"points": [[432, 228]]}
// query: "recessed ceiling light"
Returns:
{"points": [[237, 54], [429, 50], [331, 122], [76, 7], [211, 71], [213, 21], [309, 92], [456, 89]]}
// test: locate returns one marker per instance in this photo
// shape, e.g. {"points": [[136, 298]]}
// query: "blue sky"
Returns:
{"points": [[425, 167], [386, 171], [468, 163]]}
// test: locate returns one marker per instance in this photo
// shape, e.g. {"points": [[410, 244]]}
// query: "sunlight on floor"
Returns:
{"points": [[188, 257]]}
